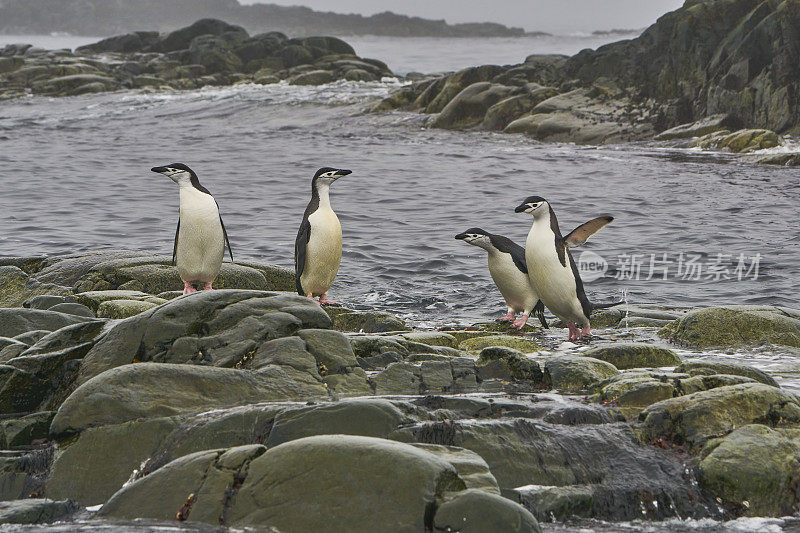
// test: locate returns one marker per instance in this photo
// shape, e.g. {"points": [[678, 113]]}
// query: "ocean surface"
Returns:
{"points": [[691, 228]]}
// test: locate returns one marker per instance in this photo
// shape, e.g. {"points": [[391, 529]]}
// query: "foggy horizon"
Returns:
{"points": [[539, 15]]}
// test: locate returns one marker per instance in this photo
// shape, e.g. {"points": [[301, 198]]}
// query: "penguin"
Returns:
{"points": [[200, 238], [318, 248], [510, 273], [552, 270]]}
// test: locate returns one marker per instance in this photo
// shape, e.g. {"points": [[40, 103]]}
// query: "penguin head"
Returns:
{"points": [[177, 172], [476, 237], [533, 205], [327, 175]]}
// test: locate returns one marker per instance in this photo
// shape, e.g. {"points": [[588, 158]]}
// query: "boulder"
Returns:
{"points": [[708, 366], [742, 141], [17, 287], [468, 108], [314, 77], [123, 308], [501, 114], [737, 326], [35, 511], [220, 328], [475, 511], [755, 468], [16, 321], [634, 355], [182, 38], [455, 83], [695, 418], [151, 390], [125, 44], [508, 341], [365, 321], [508, 364], [215, 54], [704, 126], [431, 338], [572, 373]]}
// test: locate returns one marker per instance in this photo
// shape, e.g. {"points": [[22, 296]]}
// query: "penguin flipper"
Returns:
{"points": [[538, 310], [581, 234], [175, 246], [225, 234], [300, 245]]}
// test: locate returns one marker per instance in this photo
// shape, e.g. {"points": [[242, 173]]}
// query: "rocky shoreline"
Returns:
{"points": [[252, 406], [208, 53]]}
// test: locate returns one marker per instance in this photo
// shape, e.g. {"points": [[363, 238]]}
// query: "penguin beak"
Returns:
{"points": [[521, 208], [342, 172], [159, 170], [461, 236]]}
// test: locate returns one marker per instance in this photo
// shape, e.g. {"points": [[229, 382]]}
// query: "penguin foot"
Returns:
{"points": [[587, 331], [574, 332], [208, 287], [188, 288], [507, 318], [323, 300], [520, 322]]}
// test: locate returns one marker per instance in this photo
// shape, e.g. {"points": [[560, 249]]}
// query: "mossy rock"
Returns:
{"points": [[710, 366], [634, 355], [736, 326], [124, 308], [507, 364], [518, 343], [707, 382], [94, 299], [572, 373], [464, 334], [432, 338], [365, 321], [634, 393], [755, 468]]}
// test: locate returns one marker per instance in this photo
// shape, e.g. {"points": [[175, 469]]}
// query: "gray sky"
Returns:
{"points": [[544, 15]]}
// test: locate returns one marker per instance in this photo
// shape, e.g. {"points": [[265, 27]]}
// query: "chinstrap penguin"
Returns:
{"points": [[551, 268], [510, 273], [318, 248], [200, 238]]}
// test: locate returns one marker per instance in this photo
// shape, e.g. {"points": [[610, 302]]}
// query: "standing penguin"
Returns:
{"points": [[551, 268], [201, 238], [510, 273], [318, 248]]}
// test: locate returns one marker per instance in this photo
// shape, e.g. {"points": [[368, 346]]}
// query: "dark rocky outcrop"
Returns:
{"points": [[209, 52]]}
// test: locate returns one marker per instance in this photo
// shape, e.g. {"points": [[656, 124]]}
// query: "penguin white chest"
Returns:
{"points": [[513, 284], [323, 252], [201, 244], [553, 281]]}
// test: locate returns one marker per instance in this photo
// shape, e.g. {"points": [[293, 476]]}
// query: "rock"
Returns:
{"points": [[431, 338], [16, 287], [123, 308], [477, 511], [285, 476], [633, 393], [457, 82], [215, 53], [695, 418], [517, 343], [94, 299], [35, 511], [633, 355], [92, 467], [150, 390], [736, 326], [260, 46], [22, 431], [699, 128], [182, 38], [73, 309], [755, 468], [220, 328], [468, 108], [72, 84], [701, 383], [331, 45], [358, 74], [30, 337], [366, 321], [17, 321], [130, 42], [314, 77], [571, 373], [741, 141], [294, 55], [499, 115], [508, 364], [708, 366]]}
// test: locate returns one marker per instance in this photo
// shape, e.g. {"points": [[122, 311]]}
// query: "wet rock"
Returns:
{"points": [[149, 390], [130, 42], [784, 160], [755, 468], [517, 343], [123, 308], [22, 431], [35, 511], [16, 321], [476, 511], [335, 361], [372, 345], [431, 338], [457, 82], [695, 418], [92, 467], [708, 366], [737, 325], [94, 299], [508, 364], [571, 373], [741, 141], [182, 38], [72, 84], [216, 54], [314, 77], [73, 309], [220, 328], [366, 321], [699, 128], [499, 115], [633, 393], [634, 355], [701, 383], [469, 107], [17, 287]]}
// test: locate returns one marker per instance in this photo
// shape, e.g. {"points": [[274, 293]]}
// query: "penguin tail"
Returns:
{"points": [[606, 306], [538, 310]]}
